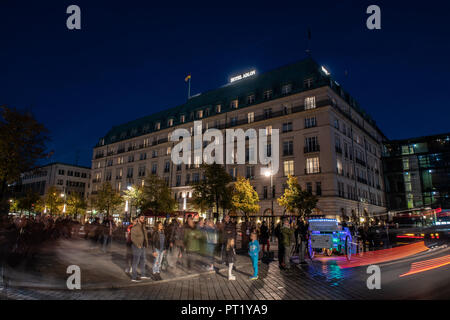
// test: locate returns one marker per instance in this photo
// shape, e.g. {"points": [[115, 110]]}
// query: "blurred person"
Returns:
{"points": [[253, 251], [129, 251], [108, 228], [139, 241], [212, 240], [202, 241], [159, 249], [178, 240], [228, 231], [286, 243], [264, 237], [303, 235], [230, 255], [191, 241]]}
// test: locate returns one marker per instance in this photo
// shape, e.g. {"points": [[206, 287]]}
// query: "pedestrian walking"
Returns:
{"points": [[108, 228], [139, 241], [178, 240], [159, 249], [211, 242], [303, 236], [286, 241], [129, 251], [264, 237], [192, 237], [230, 255], [253, 251], [228, 231]]}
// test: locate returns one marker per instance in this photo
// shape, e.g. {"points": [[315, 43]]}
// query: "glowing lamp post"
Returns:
{"points": [[268, 173]]}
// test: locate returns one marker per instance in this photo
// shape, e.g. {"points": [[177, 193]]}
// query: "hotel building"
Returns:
{"points": [[326, 140]]}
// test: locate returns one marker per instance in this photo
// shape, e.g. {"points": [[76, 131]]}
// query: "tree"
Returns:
{"points": [[157, 195], [28, 202], [107, 199], [53, 200], [213, 190], [295, 200], [39, 207], [200, 197], [75, 204], [22, 144], [244, 197], [135, 197]]}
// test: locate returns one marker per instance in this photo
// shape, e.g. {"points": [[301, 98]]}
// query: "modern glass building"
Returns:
{"points": [[417, 172]]}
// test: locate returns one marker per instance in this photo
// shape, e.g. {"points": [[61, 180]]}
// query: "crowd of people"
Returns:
{"points": [[207, 239], [21, 236], [189, 242]]}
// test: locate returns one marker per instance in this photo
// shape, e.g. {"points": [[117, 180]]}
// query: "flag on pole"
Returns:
{"points": [[188, 80]]}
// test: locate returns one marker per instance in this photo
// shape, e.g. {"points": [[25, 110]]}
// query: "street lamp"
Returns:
{"points": [[63, 195], [130, 188], [269, 173]]}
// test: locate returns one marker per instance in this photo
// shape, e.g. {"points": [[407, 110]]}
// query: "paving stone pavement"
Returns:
{"points": [[103, 278], [312, 282]]}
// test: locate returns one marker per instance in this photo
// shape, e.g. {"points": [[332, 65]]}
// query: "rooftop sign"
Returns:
{"points": [[243, 76]]}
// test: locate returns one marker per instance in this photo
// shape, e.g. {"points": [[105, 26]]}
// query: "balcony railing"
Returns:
{"points": [[313, 171], [315, 148], [361, 162], [362, 180], [244, 121]]}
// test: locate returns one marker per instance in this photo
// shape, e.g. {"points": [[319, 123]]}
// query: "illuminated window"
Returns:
{"points": [[339, 167], [251, 117], [234, 104], [289, 167], [405, 164], [312, 165], [310, 103]]}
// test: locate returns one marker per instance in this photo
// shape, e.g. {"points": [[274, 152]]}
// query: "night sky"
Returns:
{"points": [[131, 57]]}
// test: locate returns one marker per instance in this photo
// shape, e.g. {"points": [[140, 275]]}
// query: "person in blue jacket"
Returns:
{"points": [[253, 251]]}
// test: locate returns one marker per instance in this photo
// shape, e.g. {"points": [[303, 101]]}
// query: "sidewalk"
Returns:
{"points": [[98, 270]]}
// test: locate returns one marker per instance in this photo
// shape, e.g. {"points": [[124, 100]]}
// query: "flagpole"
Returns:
{"points": [[308, 42], [189, 88]]}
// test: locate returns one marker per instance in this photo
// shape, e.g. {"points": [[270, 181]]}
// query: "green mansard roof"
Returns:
{"points": [[294, 74]]}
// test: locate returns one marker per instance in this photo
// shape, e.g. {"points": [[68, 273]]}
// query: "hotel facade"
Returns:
{"points": [[325, 139]]}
